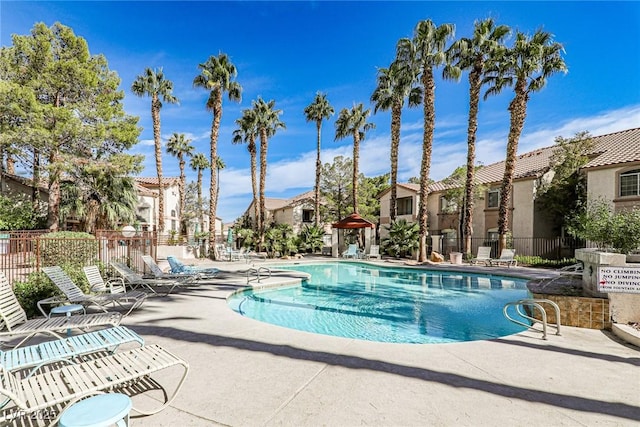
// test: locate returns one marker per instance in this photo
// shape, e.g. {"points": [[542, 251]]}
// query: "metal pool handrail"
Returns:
{"points": [[535, 303]]}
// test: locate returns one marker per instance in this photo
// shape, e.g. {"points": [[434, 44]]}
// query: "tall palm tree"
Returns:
{"points": [[220, 164], [247, 131], [199, 163], [179, 146], [267, 122], [426, 51], [217, 76], [394, 85], [525, 66], [472, 54], [152, 83], [317, 111], [354, 123]]}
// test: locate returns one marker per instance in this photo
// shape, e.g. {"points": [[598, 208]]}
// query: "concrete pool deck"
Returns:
{"points": [[247, 373]]}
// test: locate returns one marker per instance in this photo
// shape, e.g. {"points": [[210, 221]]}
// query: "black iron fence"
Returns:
{"points": [[553, 248]]}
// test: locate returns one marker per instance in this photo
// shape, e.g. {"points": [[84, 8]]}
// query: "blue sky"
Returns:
{"points": [[287, 51]]}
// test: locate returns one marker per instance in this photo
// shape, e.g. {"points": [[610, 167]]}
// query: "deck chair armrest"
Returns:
{"points": [[36, 368], [50, 301], [116, 285]]}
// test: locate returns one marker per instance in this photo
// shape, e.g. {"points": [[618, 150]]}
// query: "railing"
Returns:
{"points": [[533, 304], [22, 253], [544, 247], [254, 274]]}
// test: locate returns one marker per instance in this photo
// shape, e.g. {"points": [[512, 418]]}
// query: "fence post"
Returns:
{"points": [[38, 260]]}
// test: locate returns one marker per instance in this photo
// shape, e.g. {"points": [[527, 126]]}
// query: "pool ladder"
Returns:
{"points": [[255, 273], [533, 304]]}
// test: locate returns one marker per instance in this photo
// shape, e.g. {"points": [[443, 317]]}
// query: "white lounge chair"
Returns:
{"points": [[374, 252], [136, 280], [483, 256], [127, 372], [74, 294], [507, 257], [113, 286], [14, 323]]}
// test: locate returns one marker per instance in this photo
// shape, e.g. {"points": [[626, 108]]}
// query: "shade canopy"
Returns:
{"points": [[353, 221]]}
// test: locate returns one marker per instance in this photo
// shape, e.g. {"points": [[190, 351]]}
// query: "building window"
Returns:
{"points": [[493, 198], [307, 215], [493, 235], [447, 206], [173, 212], [404, 206], [630, 183], [173, 225]]}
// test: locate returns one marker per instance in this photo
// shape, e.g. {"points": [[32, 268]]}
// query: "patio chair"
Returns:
{"points": [[136, 280], [507, 257], [483, 256], [351, 252], [74, 294], [127, 372], [113, 286], [157, 273], [34, 355], [177, 267], [374, 252], [14, 323]]}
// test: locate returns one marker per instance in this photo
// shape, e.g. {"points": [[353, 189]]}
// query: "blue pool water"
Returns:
{"points": [[399, 305]]}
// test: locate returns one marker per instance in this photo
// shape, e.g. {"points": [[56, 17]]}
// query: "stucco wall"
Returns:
{"points": [[522, 217], [601, 184]]}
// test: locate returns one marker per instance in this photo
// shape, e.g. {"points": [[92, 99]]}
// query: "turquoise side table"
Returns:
{"points": [[102, 410], [68, 310]]}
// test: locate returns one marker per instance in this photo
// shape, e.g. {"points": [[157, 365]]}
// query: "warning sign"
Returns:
{"points": [[619, 279]]}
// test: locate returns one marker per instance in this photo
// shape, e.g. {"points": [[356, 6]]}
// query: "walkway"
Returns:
{"points": [[247, 373]]}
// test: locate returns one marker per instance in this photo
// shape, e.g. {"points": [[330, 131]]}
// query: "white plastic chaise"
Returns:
{"points": [[74, 294], [14, 322]]}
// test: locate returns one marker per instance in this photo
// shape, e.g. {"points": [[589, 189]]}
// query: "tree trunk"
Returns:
{"points": [[155, 116], [427, 145], [318, 168], [254, 183], [518, 113], [181, 190], [200, 211], [263, 181], [356, 159], [474, 100], [396, 112], [213, 198], [53, 212]]}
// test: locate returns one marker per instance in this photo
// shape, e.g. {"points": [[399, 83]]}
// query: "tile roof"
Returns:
{"points": [[154, 180], [616, 148], [611, 149]]}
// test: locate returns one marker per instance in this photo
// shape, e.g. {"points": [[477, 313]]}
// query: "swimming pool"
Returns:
{"points": [[384, 304]]}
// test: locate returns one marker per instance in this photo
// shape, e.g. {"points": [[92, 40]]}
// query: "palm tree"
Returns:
{"points": [[394, 85], [354, 122], [219, 166], [472, 54], [526, 66], [178, 146], [217, 75], [199, 163], [152, 83], [267, 122], [317, 111], [426, 51], [247, 132]]}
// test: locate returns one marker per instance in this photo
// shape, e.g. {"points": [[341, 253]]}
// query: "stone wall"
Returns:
{"points": [[581, 312]]}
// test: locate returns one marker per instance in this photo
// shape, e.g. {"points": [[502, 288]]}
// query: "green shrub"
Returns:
{"points": [[68, 247], [37, 287], [536, 261]]}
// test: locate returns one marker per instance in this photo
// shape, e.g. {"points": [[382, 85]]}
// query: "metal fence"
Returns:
{"points": [[553, 248], [22, 253]]}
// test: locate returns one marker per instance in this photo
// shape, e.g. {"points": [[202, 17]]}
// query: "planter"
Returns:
{"points": [[455, 258]]}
